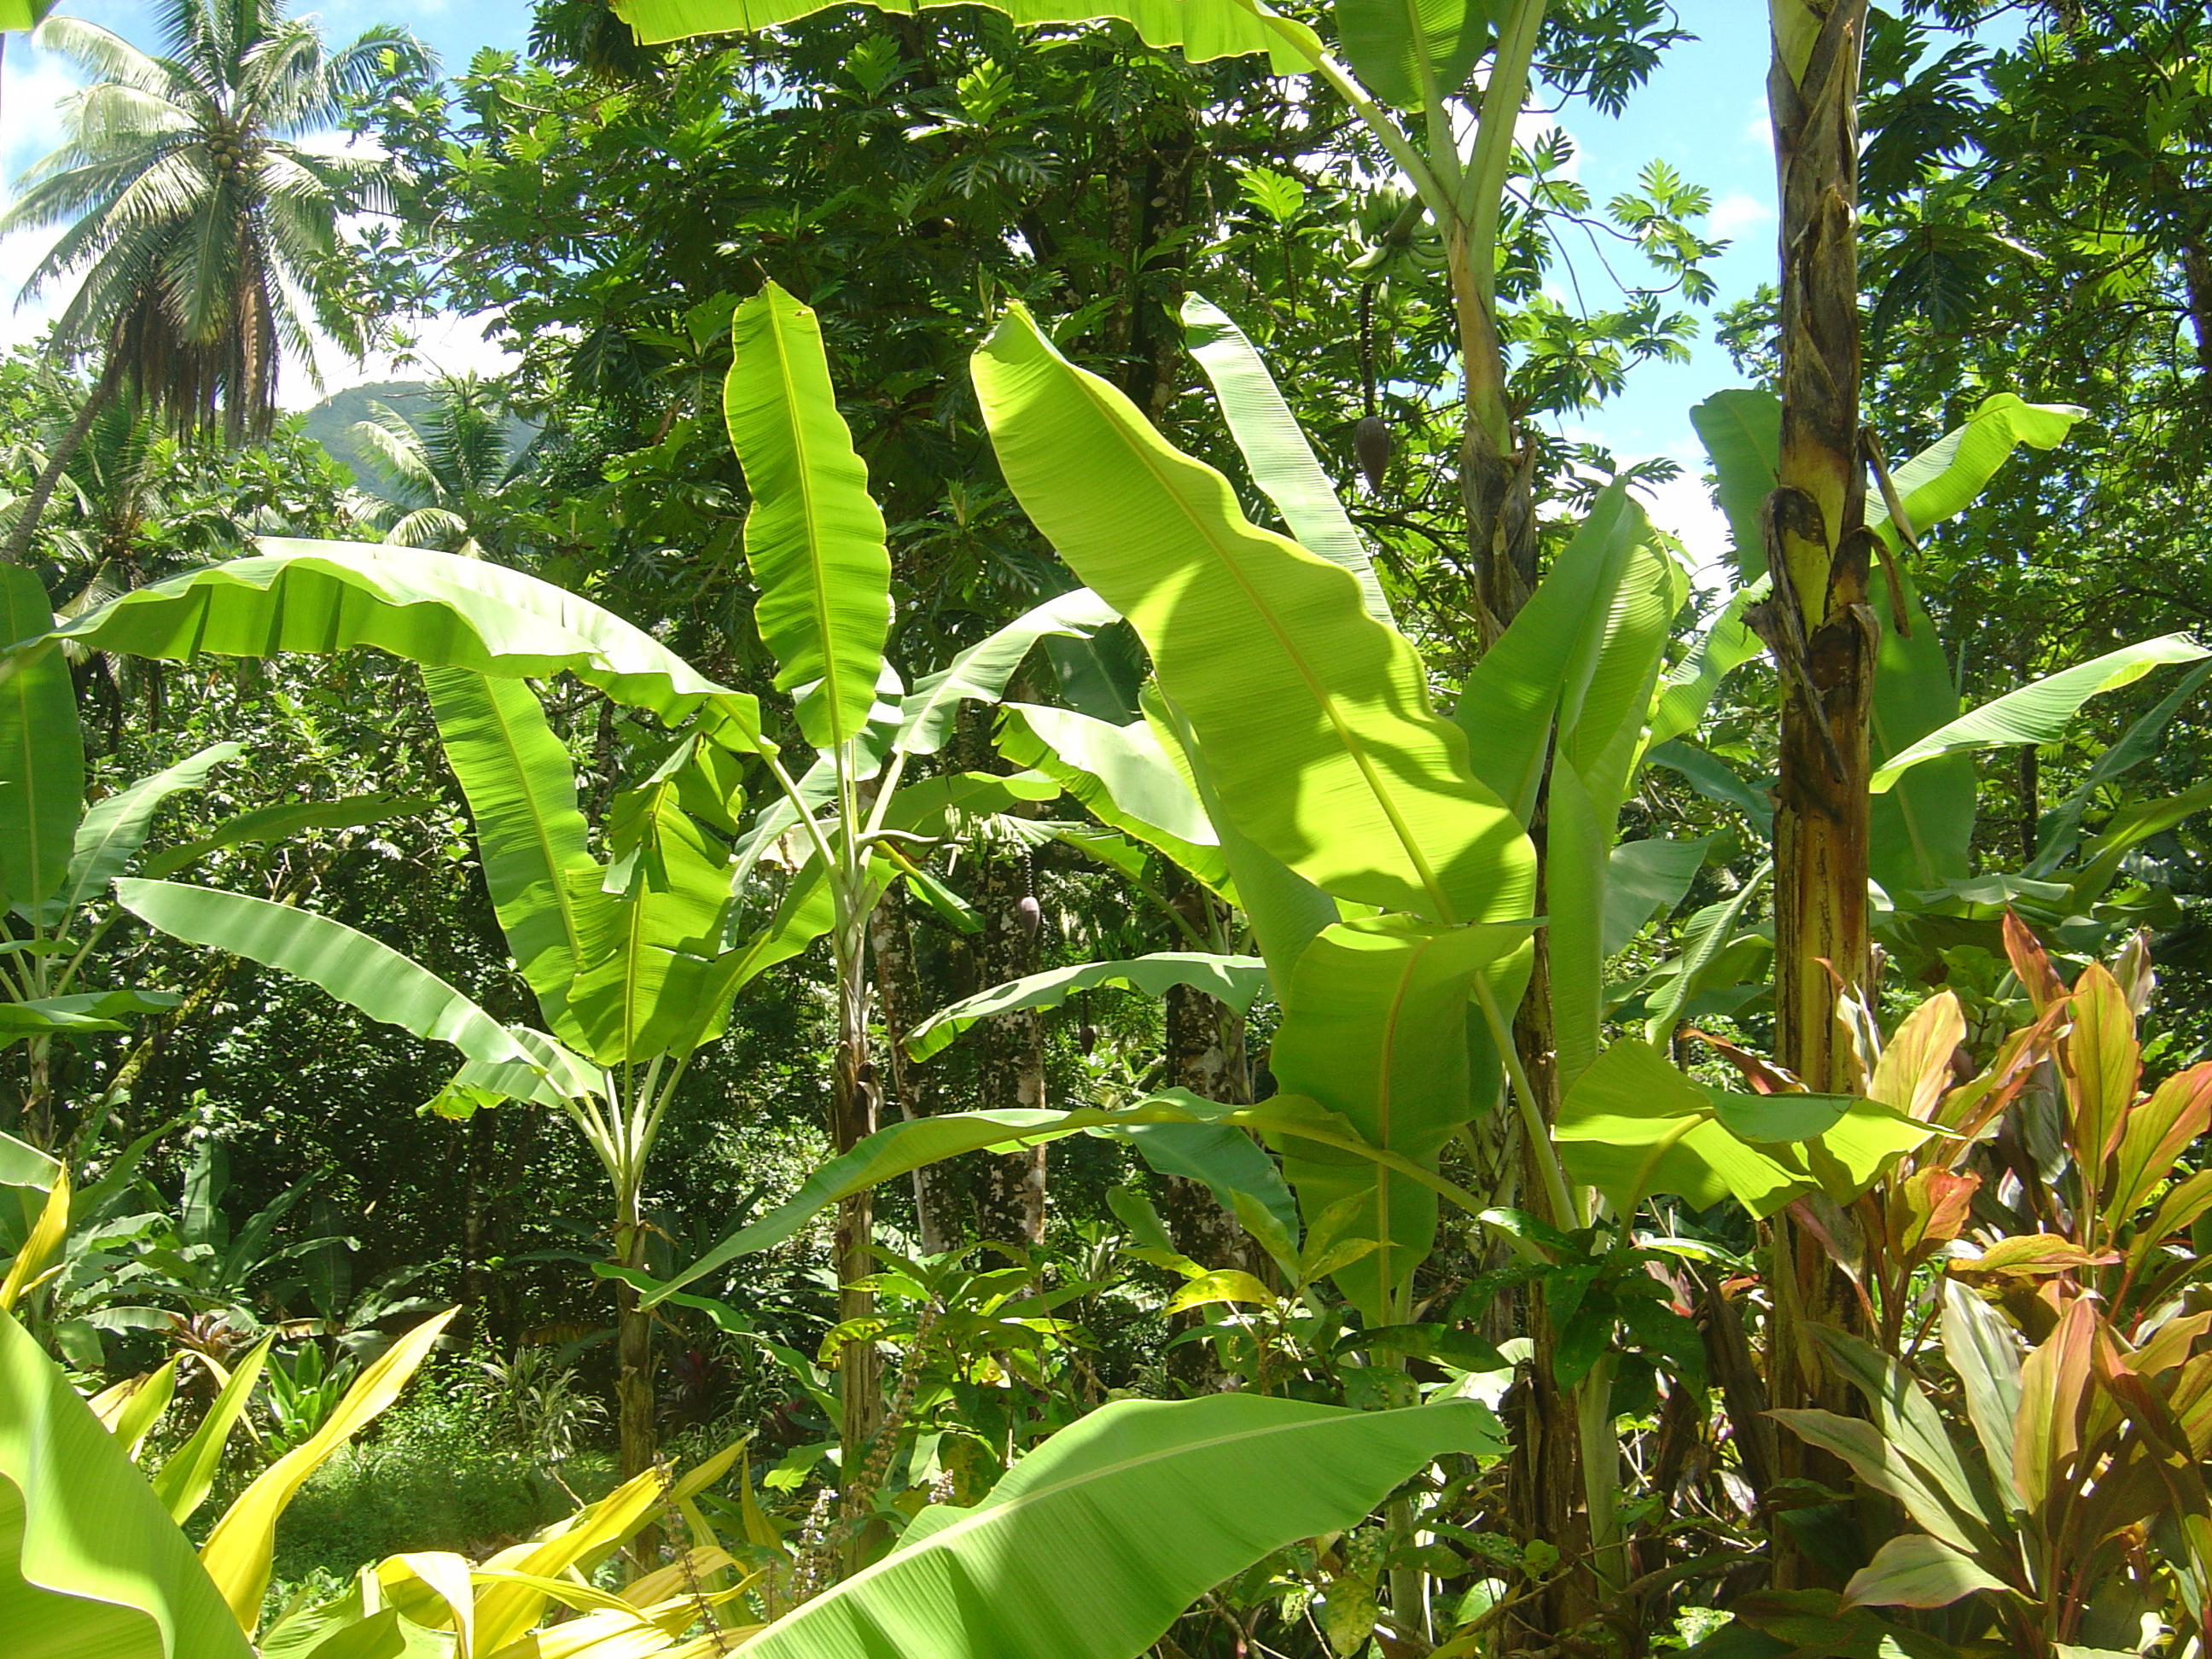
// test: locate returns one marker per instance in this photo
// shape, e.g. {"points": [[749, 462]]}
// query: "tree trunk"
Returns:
{"points": [[852, 1095], [42, 490], [1821, 632], [634, 1415], [905, 1004], [1010, 1197]]}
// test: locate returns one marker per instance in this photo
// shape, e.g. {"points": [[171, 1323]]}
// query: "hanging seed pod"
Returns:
{"points": [[1087, 1037], [1030, 914], [1372, 443]]}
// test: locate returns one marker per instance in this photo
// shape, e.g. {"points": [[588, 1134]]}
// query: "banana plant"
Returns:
{"points": [[630, 980], [1922, 775]]}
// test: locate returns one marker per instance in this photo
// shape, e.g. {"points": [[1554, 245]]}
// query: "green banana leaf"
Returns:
{"points": [[1281, 461], [1123, 777], [903, 1147], [980, 673], [648, 962], [1945, 478], [1715, 779], [1602, 708], [91, 1566], [1724, 646], [1920, 834], [1233, 980], [1204, 29], [1511, 699], [1741, 431], [1373, 1030], [1646, 879], [114, 828], [520, 786], [1098, 1540], [1223, 1159], [1316, 727], [2058, 832], [814, 537], [438, 610], [1287, 911], [350, 965], [1633, 1124], [2037, 713], [265, 823], [1416, 53], [41, 751], [80, 1011]]}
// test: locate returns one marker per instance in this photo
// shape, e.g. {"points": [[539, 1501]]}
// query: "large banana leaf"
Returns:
{"points": [[2037, 714], [1633, 1124], [1281, 461], [1944, 479], [649, 965], [1204, 29], [1373, 1029], [348, 964], [814, 537], [240, 1545], [1646, 879], [266, 823], [1096, 1541], [1921, 833], [521, 790], [1511, 699], [1316, 724], [41, 750], [980, 673], [1233, 980], [436, 609], [91, 1566], [1741, 431], [1287, 911], [1123, 775], [2058, 833], [1604, 698], [1415, 53], [114, 829], [1724, 646]]}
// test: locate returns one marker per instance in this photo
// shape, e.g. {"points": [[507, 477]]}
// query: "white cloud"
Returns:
{"points": [[1736, 212], [446, 343], [34, 87], [1758, 129], [1683, 508]]}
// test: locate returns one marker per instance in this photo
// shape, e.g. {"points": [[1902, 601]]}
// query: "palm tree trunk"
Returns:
{"points": [[63, 451], [1822, 634]]}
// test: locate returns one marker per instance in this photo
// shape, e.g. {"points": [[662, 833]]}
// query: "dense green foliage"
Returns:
{"points": [[1022, 922]]}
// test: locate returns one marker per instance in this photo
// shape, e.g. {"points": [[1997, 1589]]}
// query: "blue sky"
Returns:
{"points": [[1704, 112]]}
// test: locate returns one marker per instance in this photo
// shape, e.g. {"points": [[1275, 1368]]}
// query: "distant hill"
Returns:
{"points": [[330, 423]]}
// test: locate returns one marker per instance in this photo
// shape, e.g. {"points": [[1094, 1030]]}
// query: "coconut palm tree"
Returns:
{"points": [[203, 236], [441, 477]]}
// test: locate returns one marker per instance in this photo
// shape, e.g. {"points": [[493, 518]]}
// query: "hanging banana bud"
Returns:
{"points": [[1371, 442]]}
